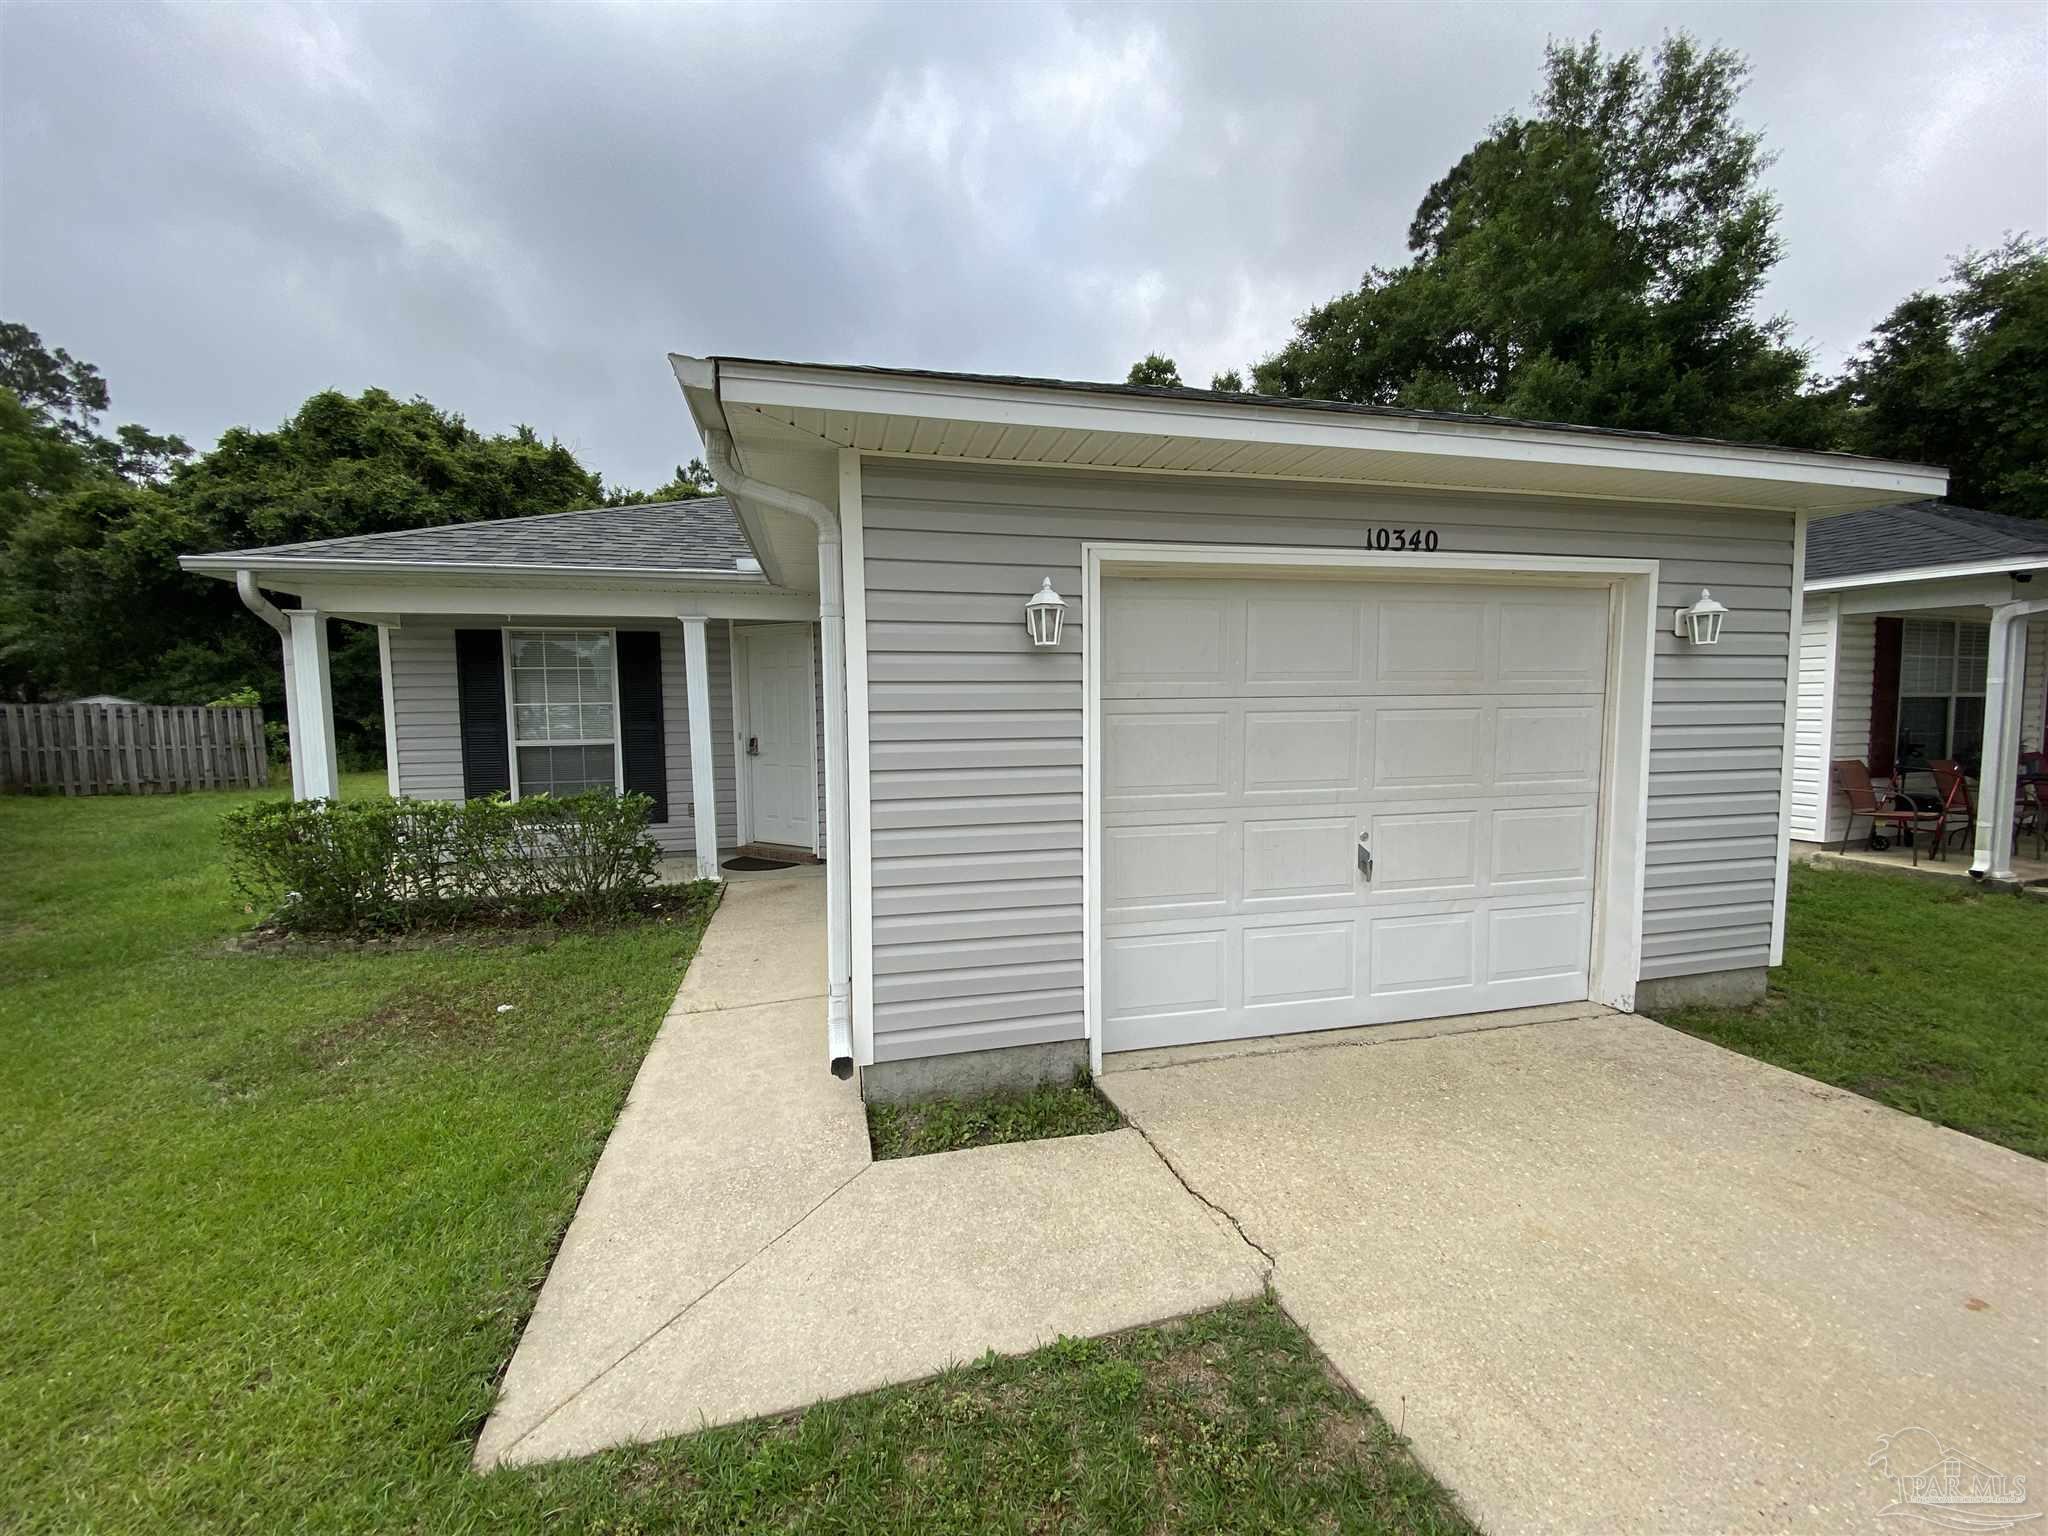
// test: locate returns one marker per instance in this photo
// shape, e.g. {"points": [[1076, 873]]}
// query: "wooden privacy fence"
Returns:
{"points": [[145, 749]]}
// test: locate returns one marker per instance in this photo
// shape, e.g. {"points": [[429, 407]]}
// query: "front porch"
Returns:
{"points": [[1899, 676]]}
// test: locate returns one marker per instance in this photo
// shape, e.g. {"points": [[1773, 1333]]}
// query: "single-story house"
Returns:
{"points": [[1146, 716], [1924, 636]]}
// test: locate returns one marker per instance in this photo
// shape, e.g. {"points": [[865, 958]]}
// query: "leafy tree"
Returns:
{"points": [[91, 597], [54, 387], [1230, 381], [1959, 376], [691, 480], [1157, 370], [1597, 262]]}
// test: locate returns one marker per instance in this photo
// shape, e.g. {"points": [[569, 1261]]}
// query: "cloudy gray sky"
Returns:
{"points": [[516, 211]]}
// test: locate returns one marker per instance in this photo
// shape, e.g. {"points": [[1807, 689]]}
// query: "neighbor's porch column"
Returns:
{"points": [[1998, 779], [312, 707], [703, 770]]}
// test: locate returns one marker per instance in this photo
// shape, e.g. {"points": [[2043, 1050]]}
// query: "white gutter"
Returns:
{"points": [[264, 609], [719, 453]]}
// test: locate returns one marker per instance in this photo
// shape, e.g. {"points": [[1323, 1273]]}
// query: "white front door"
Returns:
{"points": [[776, 741], [1328, 803]]}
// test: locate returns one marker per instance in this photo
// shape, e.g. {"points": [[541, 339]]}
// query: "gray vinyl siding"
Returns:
{"points": [[430, 745], [423, 700], [975, 752]]}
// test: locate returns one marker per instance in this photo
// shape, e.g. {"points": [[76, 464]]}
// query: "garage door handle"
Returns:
{"points": [[1364, 860]]}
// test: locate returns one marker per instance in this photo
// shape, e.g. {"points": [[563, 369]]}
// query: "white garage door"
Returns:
{"points": [[1261, 738]]}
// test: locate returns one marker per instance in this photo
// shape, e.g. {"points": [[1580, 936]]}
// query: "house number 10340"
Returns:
{"points": [[1423, 539]]}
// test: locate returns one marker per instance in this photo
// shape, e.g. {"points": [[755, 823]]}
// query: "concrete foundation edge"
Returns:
{"points": [[1709, 989], [970, 1074]]}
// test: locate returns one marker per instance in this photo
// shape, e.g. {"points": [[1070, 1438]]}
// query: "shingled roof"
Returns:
{"points": [[1918, 536], [697, 537]]}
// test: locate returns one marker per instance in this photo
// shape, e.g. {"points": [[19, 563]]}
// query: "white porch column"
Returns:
{"points": [[312, 708], [703, 769], [1998, 780]]}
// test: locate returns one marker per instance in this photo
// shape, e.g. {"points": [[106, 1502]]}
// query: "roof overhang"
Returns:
{"points": [[389, 592], [2013, 565], [774, 407]]}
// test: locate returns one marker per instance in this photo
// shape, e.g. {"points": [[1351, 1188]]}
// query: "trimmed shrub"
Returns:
{"points": [[351, 865]]}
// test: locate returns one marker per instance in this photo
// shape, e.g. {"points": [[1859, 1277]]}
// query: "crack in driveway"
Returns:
{"points": [[1180, 1178]]}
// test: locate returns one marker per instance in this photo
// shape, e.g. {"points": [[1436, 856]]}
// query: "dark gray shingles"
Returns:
{"points": [[701, 536], [1916, 536]]}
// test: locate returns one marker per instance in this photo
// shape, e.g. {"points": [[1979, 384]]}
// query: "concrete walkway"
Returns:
{"points": [[1608, 1277], [738, 1254]]}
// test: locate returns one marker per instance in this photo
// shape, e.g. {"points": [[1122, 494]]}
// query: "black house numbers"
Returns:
{"points": [[1422, 540]]}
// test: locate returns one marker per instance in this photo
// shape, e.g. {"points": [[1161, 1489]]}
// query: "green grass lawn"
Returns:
{"points": [[946, 1125], [274, 1222], [1929, 997]]}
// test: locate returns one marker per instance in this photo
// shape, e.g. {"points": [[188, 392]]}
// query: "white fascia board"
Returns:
{"points": [[2012, 564], [227, 564], [348, 599], [1023, 405]]}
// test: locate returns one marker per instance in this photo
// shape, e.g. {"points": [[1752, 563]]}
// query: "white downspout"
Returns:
{"points": [[719, 454], [264, 609]]}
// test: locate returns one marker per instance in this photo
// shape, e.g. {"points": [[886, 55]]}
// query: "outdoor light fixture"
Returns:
{"points": [[1701, 623], [1044, 614]]}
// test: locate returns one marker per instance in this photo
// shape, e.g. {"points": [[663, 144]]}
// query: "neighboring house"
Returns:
{"points": [[1357, 715], [1924, 636]]}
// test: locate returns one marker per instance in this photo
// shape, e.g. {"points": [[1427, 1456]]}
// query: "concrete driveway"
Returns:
{"points": [[1607, 1277]]}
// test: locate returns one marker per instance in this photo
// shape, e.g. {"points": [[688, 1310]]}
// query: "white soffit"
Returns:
{"points": [[998, 422]]}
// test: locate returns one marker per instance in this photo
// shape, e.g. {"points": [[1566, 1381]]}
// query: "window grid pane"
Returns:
{"points": [[562, 686], [1973, 657], [1927, 657]]}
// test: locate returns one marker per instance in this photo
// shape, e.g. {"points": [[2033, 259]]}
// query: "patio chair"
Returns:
{"points": [[1882, 807], [1957, 804]]}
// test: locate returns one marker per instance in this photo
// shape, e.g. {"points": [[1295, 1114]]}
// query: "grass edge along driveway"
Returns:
{"points": [[282, 1218], [1923, 995]]}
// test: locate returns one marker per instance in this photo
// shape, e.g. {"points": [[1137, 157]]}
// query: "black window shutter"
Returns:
{"points": [[642, 757], [1884, 697], [480, 703]]}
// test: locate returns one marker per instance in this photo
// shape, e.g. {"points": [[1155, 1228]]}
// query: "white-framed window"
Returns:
{"points": [[562, 696], [1943, 664]]}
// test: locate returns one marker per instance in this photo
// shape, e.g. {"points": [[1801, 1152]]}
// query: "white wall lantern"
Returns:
{"points": [[1044, 615], [1701, 623]]}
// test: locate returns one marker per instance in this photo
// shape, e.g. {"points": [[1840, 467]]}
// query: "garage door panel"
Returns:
{"points": [[1527, 943], [1249, 743], [1436, 851], [1293, 750], [1294, 859], [1546, 846], [1552, 746], [1299, 963], [1552, 641], [1423, 954], [1182, 756], [1428, 749], [1166, 871], [1304, 641], [1172, 638], [1178, 974], [1433, 641]]}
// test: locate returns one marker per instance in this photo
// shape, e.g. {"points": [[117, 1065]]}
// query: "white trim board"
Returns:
{"points": [[392, 778], [1617, 941], [860, 845], [1789, 766]]}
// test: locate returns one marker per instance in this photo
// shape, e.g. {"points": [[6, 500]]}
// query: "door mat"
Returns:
{"points": [[746, 862]]}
